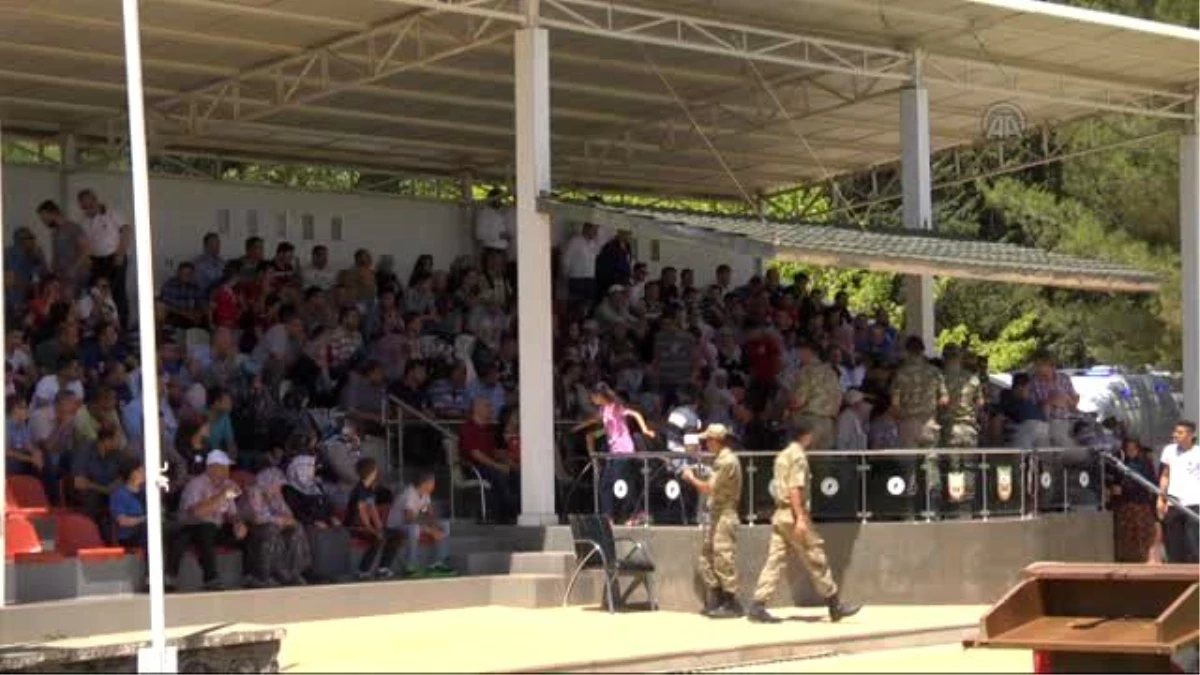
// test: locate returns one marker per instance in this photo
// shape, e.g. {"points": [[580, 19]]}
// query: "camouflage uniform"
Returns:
{"points": [[960, 419], [918, 387], [960, 429], [820, 388], [791, 471], [718, 567]]}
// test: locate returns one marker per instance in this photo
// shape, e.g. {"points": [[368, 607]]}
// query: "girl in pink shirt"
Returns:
{"points": [[614, 418]]}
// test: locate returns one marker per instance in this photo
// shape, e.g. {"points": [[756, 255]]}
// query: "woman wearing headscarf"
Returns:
{"points": [[311, 507], [277, 550], [1134, 519]]}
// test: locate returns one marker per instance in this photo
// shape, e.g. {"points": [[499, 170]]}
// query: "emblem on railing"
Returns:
{"points": [[829, 486], [895, 486], [957, 484], [1004, 483], [672, 489], [620, 489]]}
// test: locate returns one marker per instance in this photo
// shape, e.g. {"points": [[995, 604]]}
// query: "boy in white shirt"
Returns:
{"points": [[413, 516]]}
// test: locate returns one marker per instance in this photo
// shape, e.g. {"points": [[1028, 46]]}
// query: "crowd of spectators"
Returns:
{"points": [[251, 344]]}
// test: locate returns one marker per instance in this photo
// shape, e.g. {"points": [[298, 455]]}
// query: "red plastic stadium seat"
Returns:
{"points": [[24, 494], [21, 541], [244, 479], [79, 537]]}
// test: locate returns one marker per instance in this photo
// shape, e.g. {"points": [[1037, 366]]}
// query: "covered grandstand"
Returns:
{"points": [[720, 99]]}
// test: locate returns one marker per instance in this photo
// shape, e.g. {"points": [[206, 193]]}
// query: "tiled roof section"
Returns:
{"points": [[893, 251]]}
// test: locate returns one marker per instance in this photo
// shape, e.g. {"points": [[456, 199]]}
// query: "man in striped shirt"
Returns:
{"points": [[1053, 391]]}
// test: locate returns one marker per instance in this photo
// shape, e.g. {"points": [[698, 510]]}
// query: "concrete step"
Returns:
{"points": [[551, 563]]}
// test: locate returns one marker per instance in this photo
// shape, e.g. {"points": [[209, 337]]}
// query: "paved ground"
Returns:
{"points": [[500, 638], [941, 659]]}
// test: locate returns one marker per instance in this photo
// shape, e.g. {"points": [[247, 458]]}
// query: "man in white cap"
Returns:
{"points": [[208, 515], [718, 555]]}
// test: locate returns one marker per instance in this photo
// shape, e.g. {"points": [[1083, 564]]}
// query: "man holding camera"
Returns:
{"points": [[718, 555]]}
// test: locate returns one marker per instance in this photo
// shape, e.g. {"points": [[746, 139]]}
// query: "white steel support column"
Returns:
{"points": [[1189, 235], [156, 658], [916, 183], [534, 301]]}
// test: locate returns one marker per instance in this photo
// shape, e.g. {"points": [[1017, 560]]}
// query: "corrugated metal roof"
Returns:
{"points": [[241, 76], [886, 251]]}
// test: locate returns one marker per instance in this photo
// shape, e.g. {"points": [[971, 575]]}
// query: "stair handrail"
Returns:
{"points": [[407, 409]]}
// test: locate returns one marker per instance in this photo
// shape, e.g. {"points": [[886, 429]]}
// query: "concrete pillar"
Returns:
{"points": [[917, 203], [1189, 235], [532, 56]]}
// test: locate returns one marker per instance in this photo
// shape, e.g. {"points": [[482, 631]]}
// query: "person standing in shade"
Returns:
{"points": [[960, 422], [791, 527], [579, 264], [68, 247], [1180, 478], [918, 391], [1053, 391], [818, 397], [109, 239], [718, 554]]}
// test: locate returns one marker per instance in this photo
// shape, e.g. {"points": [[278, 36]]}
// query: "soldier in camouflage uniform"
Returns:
{"points": [[818, 397], [791, 528], [918, 390], [960, 424], [960, 417], [718, 554]]}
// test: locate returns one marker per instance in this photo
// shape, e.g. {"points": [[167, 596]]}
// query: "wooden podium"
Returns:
{"points": [[1105, 618]]}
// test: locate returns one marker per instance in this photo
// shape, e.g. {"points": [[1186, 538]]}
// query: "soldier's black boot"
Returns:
{"points": [[729, 607], [758, 614], [734, 606], [712, 600], [839, 610]]}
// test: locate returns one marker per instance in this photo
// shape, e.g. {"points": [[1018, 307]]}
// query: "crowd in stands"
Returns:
{"points": [[250, 344]]}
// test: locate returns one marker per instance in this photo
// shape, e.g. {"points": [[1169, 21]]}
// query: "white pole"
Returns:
{"points": [[531, 54], [916, 184], [156, 658], [3, 409], [1189, 235]]}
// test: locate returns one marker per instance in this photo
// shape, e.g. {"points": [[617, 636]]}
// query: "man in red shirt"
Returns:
{"points": [[764, 354], [477, 443]]}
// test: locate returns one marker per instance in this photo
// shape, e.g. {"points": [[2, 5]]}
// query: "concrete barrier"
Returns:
{"points": [[950, 562]]}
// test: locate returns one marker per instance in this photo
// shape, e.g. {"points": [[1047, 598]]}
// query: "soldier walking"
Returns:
{"points": [[718, 554], [960, 423], [818, 397], [791, 527]]}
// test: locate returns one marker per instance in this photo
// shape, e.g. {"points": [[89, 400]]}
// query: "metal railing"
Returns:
{"points": [[1037, 480], [891, 484]]}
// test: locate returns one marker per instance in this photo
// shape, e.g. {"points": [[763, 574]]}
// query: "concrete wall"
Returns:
{"points": [[953, 562], [183, 210]]}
